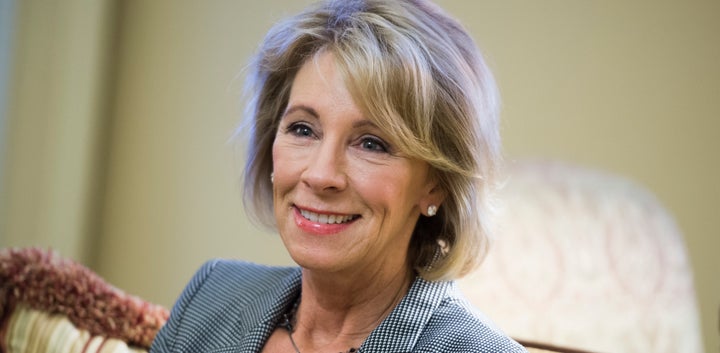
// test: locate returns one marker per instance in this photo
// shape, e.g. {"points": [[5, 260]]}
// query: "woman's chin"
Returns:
{"points": [[315, 261]]}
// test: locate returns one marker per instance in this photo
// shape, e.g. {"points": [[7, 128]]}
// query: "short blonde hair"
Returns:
{"points": [[419, 76]]}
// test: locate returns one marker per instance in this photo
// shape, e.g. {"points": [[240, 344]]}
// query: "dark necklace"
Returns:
{"points": [[288, 323]]}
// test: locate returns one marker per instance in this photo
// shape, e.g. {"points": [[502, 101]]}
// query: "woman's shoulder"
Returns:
{"points": [[225, 298], [220, 280], [456, 326], [246, 274], [220, 276], [434, 317]]}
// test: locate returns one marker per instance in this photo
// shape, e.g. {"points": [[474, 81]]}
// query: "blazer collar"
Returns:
{"points": [[273, 303], [399, 332]]}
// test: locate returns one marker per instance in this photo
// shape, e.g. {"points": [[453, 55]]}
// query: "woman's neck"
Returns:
{"points": [[339, 311]]}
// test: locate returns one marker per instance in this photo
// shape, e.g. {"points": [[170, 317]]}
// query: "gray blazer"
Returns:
{"points": [[233, 306]]}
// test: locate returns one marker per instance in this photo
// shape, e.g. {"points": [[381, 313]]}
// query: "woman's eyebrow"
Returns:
{"points": [[300, 107], [364, 123]]}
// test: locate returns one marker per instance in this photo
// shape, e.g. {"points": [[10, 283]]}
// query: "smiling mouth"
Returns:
{"points": [[327, 218]]}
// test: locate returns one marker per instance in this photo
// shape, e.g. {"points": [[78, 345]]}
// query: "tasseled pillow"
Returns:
{"points": [[48, 302]]}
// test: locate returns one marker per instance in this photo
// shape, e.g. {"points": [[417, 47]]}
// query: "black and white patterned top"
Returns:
{"points": [[233, 306]]}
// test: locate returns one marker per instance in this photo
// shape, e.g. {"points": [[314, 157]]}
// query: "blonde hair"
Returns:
{"points": [[419, 76]]}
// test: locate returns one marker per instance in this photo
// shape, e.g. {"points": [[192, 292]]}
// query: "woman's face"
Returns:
{"points": [[345, 198]]}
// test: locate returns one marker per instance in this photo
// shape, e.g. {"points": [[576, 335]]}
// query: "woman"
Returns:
{"points": [[374, 142]]}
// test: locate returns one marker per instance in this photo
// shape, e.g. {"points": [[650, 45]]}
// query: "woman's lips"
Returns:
{"points": [[322, 223]]}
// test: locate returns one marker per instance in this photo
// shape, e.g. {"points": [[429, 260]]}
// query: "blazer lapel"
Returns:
{"points": [[399, 332], [271, 306]]}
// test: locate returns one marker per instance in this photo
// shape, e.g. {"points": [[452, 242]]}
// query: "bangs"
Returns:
{"points": [[392, 85]]}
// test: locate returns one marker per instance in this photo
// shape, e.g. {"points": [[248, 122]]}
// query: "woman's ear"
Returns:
{"points": [[433, 198]]}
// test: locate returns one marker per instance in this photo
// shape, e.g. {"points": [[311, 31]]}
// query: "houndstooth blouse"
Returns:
{"points": [[233, 306]]}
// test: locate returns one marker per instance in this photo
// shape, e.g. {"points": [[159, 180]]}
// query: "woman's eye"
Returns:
{"points": [[301, 130], [373, 144]]}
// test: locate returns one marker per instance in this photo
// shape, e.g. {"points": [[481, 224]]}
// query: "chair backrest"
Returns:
{"points": [[586, 259]]}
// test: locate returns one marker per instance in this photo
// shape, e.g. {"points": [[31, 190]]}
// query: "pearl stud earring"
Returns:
{"points": [[272, 178], [432, 210]]}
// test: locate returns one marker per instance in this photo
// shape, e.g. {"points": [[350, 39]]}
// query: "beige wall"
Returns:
{"points": [[53, 129], [630, 87]]}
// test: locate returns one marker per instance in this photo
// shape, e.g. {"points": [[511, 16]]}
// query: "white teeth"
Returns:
{"points": [[325, 219]]}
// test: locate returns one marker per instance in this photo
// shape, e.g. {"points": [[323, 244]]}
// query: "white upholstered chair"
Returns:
{"points": [[589, 260]]}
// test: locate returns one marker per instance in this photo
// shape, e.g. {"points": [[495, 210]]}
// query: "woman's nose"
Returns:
{"points": [[325, 171]]}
